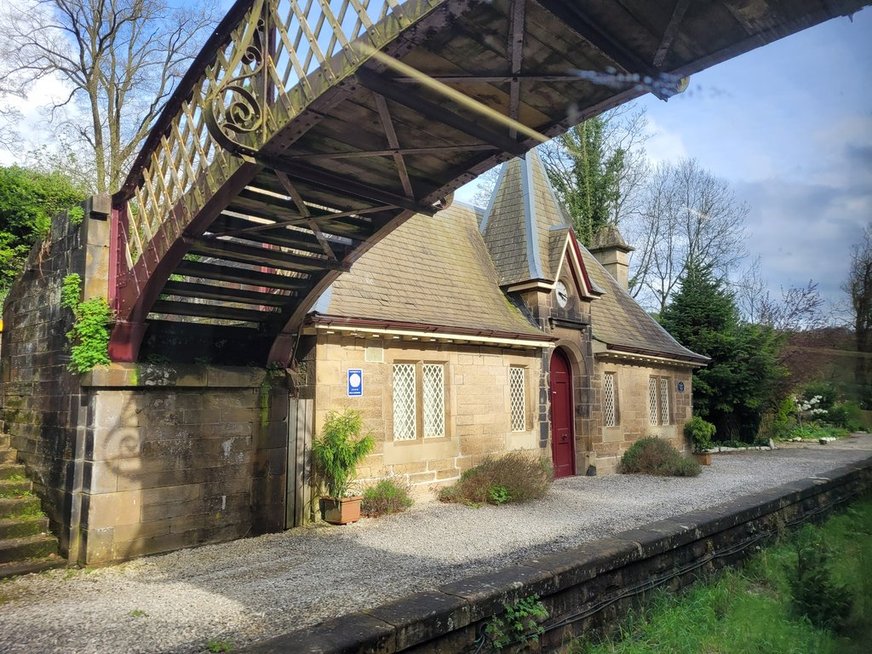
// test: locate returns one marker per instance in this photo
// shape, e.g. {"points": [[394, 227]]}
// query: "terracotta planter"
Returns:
{"points": [[703, 458], [340, 511]]}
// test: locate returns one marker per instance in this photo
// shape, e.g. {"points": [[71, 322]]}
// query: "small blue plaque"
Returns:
{"points": [[355, 382], [681, 387]]}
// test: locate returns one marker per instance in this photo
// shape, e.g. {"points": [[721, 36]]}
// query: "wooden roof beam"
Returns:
{"points": [[516, 56], [343, 185], [238, 275], [223, 293], [576, 19], [360, 154], [260, 256], [385, 87], [670, 32]]}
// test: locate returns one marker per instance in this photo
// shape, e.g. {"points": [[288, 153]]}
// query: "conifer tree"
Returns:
{"points": [[739, 382]]}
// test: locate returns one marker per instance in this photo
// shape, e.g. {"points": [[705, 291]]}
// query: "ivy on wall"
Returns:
{"points": [[90, 332]]}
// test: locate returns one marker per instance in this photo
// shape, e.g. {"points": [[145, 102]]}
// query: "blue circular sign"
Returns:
{"points": [[681, 387]]}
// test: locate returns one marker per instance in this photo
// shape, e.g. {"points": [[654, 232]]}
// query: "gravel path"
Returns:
{"points": [[256, 588]]}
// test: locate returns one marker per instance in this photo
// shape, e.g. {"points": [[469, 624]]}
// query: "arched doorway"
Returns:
{"points": [[562, 432]]}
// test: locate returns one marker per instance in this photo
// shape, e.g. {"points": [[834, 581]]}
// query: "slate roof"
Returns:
{"points": [[431, 271], [518, 225], [447, 270], [618, 321]]}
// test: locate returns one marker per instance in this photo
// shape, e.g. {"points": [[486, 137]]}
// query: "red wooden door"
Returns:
{"points": [[562, 441]]}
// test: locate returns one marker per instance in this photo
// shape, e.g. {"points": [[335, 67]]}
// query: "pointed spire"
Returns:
{"points": [[524, 225]]}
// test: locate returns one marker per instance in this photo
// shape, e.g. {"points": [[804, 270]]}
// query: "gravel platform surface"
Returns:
{"points": [[261, 587]]}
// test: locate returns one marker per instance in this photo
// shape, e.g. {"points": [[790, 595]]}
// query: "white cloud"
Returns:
{"points": [[664, 145]]}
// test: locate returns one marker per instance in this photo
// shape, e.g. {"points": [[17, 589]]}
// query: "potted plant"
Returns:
{"points": [[700, 432], [335, 456]]}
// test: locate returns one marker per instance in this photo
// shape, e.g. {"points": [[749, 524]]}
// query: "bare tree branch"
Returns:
{"points": [[120, 59]]}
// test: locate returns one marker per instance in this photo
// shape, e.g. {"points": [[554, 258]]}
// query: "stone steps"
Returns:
{"points": [[15, 486], [25, 542], [8, 470], [27, 547], [15, 507], [22, 526]]}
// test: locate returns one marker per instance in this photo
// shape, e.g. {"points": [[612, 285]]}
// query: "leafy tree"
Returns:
{"points": [[740, 381], [859, 288], [597, 167], [28, 201], [119, 59]]}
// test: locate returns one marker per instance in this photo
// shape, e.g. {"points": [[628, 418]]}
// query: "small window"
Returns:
{"points": [[434, 400], [610, 400], [652, 401], [518, 394], [664, 401], [659, 401], [419, 385], [404, 402]]}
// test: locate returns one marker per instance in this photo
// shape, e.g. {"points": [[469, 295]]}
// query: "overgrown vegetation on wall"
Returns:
{"points": [[89, 335], [28, 201]]}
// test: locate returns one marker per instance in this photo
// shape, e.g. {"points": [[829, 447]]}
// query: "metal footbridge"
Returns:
{"points": [[306, 130]]}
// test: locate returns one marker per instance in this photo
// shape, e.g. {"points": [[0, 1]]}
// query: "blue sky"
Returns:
{"points": [[789, 125]]}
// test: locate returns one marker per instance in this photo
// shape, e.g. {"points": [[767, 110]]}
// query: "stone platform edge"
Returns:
{"points": [[586, 588]]}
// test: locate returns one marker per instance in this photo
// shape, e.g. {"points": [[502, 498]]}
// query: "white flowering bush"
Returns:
{"points": [[809, 408]]}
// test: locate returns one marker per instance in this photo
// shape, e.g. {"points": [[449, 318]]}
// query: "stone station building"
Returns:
{"points": [[469, 333]]}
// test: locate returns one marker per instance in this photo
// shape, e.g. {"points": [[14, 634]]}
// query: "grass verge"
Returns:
{"points": [[752, 609]]}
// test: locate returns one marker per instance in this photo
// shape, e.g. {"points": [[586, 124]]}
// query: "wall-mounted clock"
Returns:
{"points": [[562, 294]]}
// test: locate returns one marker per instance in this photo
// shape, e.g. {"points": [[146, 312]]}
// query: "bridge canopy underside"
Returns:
{"points": [[225, 236]]}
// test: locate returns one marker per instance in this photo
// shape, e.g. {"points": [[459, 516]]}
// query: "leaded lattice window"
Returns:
{"points": [[652, 401], [434, 400], [610, 414], [664, 401], [518, 395], [404, 402]]}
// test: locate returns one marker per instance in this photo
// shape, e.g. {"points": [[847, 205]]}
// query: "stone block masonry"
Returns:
{"points": [[133, 459], [588, 588], [40, 399], [177, 456]]}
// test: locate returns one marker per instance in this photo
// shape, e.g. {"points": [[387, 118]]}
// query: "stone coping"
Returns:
{"points": [[150, 375], [440, 620]]}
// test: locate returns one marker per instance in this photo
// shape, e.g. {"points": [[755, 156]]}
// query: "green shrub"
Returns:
{"points": [[814, 432], [655, 456], [847, 415], [90, 332], [515, 477], [387, 496], [521, 623], [699, 432], [339, 449], [815, 594]]}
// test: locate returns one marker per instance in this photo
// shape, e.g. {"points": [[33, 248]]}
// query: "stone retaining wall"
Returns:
{"points": [[587, 588], [40, 400], [177, 456]]}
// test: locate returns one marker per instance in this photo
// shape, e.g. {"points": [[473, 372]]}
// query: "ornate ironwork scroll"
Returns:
{"points": [[235, 108]]}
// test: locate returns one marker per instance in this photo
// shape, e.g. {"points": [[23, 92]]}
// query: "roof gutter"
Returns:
{"points": [[697, 361], [434, 332]]}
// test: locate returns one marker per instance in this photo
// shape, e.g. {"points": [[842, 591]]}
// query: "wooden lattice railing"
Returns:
{"points": [[266, 62]]}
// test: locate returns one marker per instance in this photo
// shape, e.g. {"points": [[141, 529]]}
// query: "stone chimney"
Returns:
{"points": [[610, 249]]}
